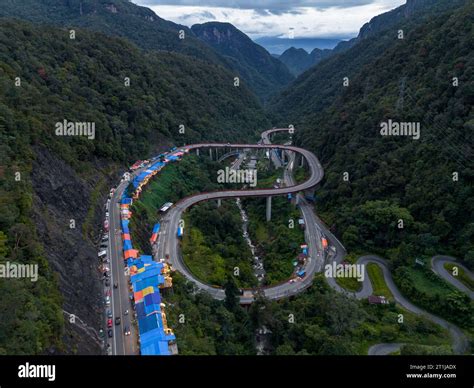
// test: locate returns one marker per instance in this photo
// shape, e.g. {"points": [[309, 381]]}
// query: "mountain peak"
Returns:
{"points": [[251, 61], [220, 33]]}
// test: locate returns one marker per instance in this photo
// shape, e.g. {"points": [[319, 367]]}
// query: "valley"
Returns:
{"points": [[180, 190]]}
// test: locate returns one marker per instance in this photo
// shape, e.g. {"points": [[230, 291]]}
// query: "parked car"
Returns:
{"points": [[107, 282], [109, 313], [109, 323], [110, 333], [107, 300]]}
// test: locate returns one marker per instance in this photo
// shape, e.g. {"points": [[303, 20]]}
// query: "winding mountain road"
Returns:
{"points": [[167, 246], [437, 264]]}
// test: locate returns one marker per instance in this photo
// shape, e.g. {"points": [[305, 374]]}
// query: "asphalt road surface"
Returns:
{"points": [[120, 302], [437, 264], [167, 247]]}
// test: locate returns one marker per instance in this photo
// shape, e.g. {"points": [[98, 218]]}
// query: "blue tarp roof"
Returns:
{"points": [[146, 258], [127, 244], [152, 308], [153, 281], [149, 272], [140, 309], [139, 179], [138, 263], [155, 348], [156, 228], [126, 201], [156, 166], [154, 298], [150, 323], [124, 224]]}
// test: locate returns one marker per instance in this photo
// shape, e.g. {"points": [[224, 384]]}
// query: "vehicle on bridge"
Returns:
{"points": [[166, 207]]}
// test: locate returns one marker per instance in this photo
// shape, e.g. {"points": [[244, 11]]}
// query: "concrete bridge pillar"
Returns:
{"points": [[210, 153], [269, 208], [219, 202], [197, 151], [309, 193]]}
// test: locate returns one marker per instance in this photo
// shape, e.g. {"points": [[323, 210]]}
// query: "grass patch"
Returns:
{"points": [[378, 282], [462, 276], [350, 284], [431, 285]]}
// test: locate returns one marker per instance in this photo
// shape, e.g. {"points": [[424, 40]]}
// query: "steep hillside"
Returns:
{"points": [[46, 78], [413, 9], [263, 73], [390, 177], [299, 99], [113, 17], [298, 60]]}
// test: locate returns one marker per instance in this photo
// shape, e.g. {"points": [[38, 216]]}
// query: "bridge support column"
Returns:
{"points": [[269, 208], [302, 161], [283, 156], [197, 151], [210, 153], [219, 202]]}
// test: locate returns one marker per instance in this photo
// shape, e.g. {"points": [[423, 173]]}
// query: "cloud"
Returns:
{"points": [[257, 18], [200, 15], [273, 6]]}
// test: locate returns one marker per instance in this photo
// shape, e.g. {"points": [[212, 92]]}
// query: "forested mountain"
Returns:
{"points": [[113, 17], [413, 9], [46, 78], [264, 73], [298, 60], [424, 78]]}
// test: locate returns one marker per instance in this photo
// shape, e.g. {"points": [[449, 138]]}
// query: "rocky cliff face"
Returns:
{"points": [[61, 196]]}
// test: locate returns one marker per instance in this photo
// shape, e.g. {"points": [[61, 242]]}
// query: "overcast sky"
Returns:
{"points": [[302, 18]]}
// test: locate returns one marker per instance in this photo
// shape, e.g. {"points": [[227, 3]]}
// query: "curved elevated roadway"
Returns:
{"points": [[167, 246]]}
